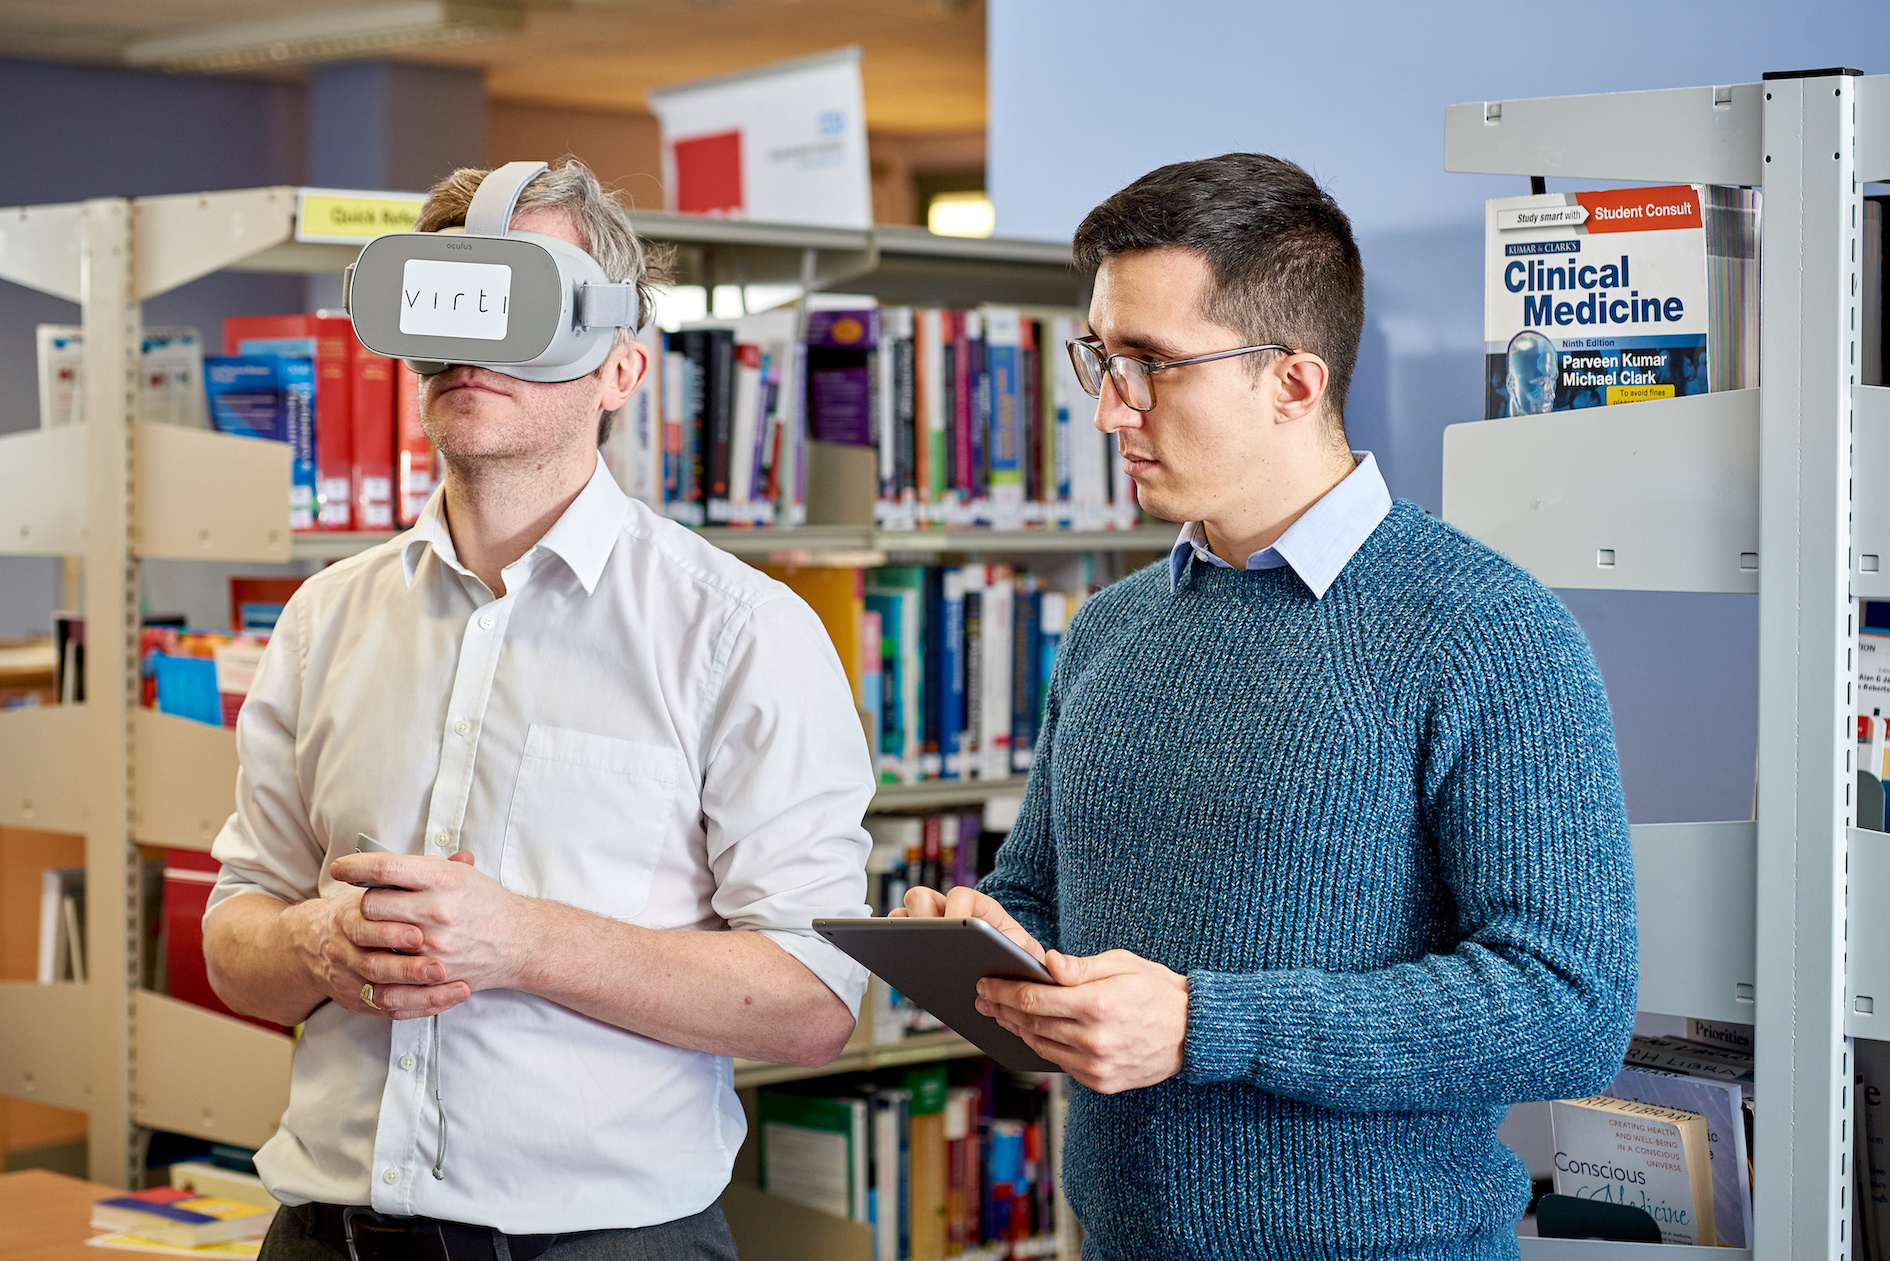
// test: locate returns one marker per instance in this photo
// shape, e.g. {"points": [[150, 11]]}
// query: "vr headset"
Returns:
{"points": [[524, 304]]}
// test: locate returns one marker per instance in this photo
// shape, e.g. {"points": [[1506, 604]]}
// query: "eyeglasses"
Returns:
{"points": [[1131, 375]]}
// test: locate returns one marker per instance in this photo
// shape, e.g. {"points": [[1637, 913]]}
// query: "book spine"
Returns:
{"points": [[1026, 643], [1004, 442], [675, 408], [718, 424], [418, 470], [963, 381], [952, 688], [994, 736], [373, 444], [970, 745]]}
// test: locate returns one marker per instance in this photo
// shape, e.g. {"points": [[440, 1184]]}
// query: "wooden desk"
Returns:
{"points": [[44, 1216]]}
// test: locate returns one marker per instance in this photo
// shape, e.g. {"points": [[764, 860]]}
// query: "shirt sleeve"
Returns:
{"points": [[787, 781], [268, 845], [1521, 791]]}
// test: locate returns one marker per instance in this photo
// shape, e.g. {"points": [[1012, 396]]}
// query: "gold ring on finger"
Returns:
{"points": [[367, 996]]}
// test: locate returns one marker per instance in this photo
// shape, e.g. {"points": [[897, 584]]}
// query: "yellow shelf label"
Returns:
{"points": [[345, 218], [1638, 393]]}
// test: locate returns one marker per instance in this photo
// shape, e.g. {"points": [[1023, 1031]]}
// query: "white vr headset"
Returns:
{"points": [[524, 304]]}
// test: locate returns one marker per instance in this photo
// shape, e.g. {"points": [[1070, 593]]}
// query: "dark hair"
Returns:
{"points": [[1285, 266]]}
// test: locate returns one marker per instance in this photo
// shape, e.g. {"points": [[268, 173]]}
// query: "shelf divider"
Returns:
{"points": [[38, 1061], [208, 1075], [185, 783], [1659, 496], [1696, 890], [42, 492], [1870, 507], [180, 237], [39, 751], [1867, 996], [1665, 136], [210, 496], [39, 247]]}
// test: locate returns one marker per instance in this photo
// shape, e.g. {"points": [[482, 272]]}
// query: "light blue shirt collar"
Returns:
{"points": [[1318, 545]]}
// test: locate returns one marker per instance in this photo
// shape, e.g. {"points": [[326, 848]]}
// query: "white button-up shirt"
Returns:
{"points": [[642, 727]]}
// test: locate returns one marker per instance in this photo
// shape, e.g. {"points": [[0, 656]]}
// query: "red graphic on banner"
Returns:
{"points": [[1642, 209], [709, 174]]}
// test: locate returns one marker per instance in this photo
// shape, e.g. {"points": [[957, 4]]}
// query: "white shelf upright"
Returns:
{"points": [[1739, 492]]}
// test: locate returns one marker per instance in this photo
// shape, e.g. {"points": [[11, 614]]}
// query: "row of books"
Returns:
{"points": [[942, 1161], [352, 419], [950, 665], [1619, 296], [968, 418]]}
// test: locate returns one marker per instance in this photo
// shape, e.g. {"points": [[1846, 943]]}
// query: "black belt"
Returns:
{"points": [[364, 1235]]}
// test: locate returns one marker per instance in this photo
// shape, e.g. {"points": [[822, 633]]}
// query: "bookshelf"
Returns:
{"points": [[115, 492], [1741, 492]]}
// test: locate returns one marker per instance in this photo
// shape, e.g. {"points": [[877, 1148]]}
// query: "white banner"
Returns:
{"points": [[780, 144]]}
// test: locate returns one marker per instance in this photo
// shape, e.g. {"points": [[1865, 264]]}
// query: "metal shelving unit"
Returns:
{"points": [[1740, 492], [115, 491]]}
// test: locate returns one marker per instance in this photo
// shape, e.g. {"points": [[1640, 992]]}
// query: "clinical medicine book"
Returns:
{"points": [[1621, 296]]}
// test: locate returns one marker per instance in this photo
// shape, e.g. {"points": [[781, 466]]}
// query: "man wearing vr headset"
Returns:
{"points": [[619, 773]]}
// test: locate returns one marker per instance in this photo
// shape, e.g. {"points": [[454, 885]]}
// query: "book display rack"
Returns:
{"points": [[1777, 923], [113, 492]]}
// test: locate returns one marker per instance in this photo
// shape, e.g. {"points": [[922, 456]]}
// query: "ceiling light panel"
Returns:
{"points": [[327, 35]]}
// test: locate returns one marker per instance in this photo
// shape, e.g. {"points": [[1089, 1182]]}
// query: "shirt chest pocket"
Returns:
{"points": [[588, 821]]}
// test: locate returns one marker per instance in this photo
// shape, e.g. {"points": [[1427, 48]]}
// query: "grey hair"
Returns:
{"points": [[602, 222]]}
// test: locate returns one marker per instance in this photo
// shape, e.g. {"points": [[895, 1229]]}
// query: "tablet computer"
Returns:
{"points": [[937, 963]]}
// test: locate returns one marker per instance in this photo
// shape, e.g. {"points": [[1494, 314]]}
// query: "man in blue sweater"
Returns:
{"points": [[1325, 840]]}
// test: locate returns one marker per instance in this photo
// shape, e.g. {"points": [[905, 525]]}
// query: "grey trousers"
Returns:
{"points": [[703, 1237]]}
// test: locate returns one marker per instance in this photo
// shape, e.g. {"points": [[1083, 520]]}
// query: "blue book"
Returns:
{"points": [[951, 716], [931, 763], [271, 396], [1004, 444]]}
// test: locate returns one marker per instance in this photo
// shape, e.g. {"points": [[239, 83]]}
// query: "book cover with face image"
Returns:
{"points": [[1622, 296]]}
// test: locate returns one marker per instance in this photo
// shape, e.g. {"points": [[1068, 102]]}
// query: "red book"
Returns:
{"points": [[188, 878], [334, 344], [373, 440], [417, 466]]}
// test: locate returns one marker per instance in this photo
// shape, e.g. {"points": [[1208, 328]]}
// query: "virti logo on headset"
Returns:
{"points": [[450, 299]]}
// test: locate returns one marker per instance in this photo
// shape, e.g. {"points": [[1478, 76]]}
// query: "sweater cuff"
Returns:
{"points": [[1246, 1026]]}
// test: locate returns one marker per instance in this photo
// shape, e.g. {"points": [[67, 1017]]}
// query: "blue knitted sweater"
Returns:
{"points": [[1382, 834]]}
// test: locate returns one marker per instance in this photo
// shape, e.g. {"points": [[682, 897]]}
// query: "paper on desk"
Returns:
{"points": [[234, 1250]]}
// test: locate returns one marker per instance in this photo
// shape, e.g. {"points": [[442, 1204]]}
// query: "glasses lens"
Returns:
{"points": [[1088, 365], [1133, 385]]}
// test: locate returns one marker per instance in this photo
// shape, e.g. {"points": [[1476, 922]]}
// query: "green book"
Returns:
{"points": [[813, 1151]]}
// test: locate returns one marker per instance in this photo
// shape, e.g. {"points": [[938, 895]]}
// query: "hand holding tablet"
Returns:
{"points": [[937, 963]]}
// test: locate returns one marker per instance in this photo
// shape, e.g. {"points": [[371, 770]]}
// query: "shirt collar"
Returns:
{"points": [[582, 537], [1316, 546]]}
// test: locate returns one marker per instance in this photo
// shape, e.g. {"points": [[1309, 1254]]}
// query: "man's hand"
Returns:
{"points": [[463, 920], [1114, 1021], [965, 902], [340, 958]]}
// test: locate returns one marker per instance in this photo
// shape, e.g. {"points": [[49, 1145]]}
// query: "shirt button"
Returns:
{"points": [[462, 726], [442, 839], [390, 1175], [407, 1062], [485, 623]]}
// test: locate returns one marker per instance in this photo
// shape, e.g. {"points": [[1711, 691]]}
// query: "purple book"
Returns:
{"points": [[841, 346]]}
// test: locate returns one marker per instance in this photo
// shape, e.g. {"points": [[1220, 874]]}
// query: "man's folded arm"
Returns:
{"points": [[787, 780]]}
